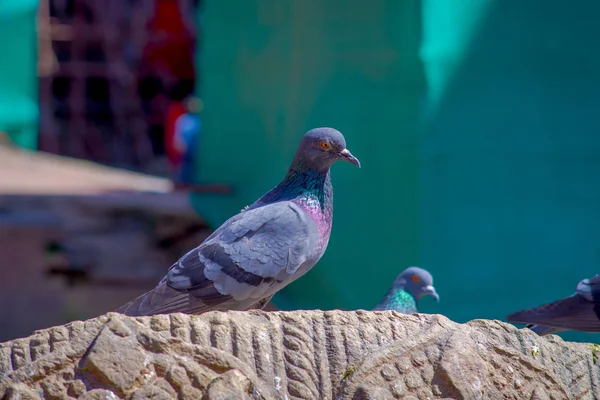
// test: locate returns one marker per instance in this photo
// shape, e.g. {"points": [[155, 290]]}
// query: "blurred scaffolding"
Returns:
{"points": [[108, 72], [77, 238]]}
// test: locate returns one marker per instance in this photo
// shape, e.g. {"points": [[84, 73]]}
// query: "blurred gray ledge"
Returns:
{"points": [[295, 355], [78, 239]]}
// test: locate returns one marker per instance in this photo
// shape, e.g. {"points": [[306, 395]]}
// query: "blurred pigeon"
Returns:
{"points": [[406, 291], [579, 312], [265, 247]]}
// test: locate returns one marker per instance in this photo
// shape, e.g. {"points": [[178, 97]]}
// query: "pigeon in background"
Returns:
{"points": [[406, 291], [579, 312], [265, 247]]}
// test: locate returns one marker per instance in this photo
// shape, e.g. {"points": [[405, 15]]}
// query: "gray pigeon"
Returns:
{"points": [[264, 248], [406, 291], [579, 312]]}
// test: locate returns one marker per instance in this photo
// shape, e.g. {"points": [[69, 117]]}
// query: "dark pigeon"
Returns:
{"points": [[406, 291], [579, 312], [265, 247]]}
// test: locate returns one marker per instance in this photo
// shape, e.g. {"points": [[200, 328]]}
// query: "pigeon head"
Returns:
{"points": [[418, 282], [590, 288], [320, 148]]}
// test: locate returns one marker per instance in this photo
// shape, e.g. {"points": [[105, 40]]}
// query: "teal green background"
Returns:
{"points": [[18, 71], [273, 70], [510, 161], [476, 123]]}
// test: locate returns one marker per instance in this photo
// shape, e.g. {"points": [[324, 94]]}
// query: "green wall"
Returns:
{"points": [[271, 70], [489, 177], [18, 71], [511, 160]]}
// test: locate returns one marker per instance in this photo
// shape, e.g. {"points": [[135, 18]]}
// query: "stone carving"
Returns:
{"points": [[294, 355]]}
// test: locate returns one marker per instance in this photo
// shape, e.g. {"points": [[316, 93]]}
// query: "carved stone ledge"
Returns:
{"points": [[294, 355]]}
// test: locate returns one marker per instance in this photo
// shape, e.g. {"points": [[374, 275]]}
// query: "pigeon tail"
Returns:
{"points": [[544, 330], [572, 313], [162, 300]]}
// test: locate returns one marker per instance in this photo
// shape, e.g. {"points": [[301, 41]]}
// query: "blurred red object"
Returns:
{"points": [[174, 153], [171, 48]]}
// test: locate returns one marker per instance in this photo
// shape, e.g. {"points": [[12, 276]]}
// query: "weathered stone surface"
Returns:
{"points": [[98, 394], [114, 361], [294, 355]]}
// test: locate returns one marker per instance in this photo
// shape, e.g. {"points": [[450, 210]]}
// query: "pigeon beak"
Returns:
{"points": [[430, 291], [346, 155]]}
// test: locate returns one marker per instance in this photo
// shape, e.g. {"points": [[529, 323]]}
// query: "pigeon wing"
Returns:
{"points": [[250, 257], [572, 313]]}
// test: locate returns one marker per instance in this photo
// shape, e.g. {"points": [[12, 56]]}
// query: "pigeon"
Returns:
{"points": [[265, 247], [406, 291], [579, 312]]}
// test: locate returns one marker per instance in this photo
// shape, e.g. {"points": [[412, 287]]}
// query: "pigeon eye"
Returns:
{"points": [[415, 278], [325, 145]]}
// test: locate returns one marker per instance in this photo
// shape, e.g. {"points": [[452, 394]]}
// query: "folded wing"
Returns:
{"points": [[250, 257]]}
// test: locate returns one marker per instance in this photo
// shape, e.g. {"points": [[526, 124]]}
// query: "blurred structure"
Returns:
{"points": [[119, 65], [78, 239]]}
